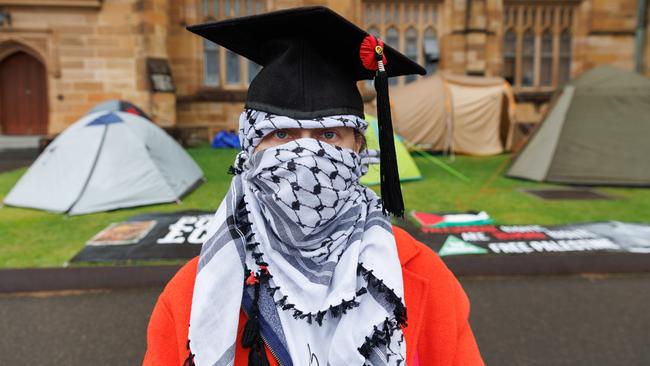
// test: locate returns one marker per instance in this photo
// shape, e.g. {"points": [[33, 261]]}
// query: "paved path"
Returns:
{"points": [[550, 321], [90, 328], [556, 321]]}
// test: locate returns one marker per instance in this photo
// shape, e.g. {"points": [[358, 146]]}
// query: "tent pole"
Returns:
{"points": [[440, 163], [90, 173]]}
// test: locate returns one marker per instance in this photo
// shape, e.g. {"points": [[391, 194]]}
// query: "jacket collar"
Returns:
{"points": [[407, 248]]}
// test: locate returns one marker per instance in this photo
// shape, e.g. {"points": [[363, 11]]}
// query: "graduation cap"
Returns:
{"points": [[312, 58]]}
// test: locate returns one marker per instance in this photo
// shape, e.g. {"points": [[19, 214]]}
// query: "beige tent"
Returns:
{"points": [[460, 114]]}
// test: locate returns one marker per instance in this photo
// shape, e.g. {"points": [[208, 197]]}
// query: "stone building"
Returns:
{"points": [[58, 58]]}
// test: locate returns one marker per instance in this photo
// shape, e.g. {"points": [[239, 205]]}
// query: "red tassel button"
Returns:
{"points": [[371, 47]]}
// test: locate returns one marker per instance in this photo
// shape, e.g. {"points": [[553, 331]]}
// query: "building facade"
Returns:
{"points": [[59, 58]]}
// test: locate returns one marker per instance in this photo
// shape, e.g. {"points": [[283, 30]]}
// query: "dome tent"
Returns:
{"points": [[408, 170], [116, 105], [106, 161], [596, 133]]}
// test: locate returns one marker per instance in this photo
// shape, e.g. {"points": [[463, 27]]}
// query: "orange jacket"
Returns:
{"points": [[438, 331]]}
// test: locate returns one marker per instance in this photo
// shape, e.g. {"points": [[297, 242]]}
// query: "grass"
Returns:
{"points": [[31, 238]]}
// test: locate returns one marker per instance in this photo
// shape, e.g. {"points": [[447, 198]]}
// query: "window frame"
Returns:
{"points": [[556, 18], [224, 9], [404, 15]]}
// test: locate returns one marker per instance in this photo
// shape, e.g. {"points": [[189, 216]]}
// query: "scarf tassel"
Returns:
{"points": [[251, 337], [381, 337], [251, 333], [400, 310], [257, 355]]}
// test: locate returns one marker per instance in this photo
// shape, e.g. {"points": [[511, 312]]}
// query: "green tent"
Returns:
{"points": [[597, 132], [407, 169]]}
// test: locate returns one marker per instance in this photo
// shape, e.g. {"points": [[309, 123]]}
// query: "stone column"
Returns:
{"points": [[454, 43], [494, 38], [152, 42]]}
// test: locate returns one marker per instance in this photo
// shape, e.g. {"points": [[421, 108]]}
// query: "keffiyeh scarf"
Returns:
{"points": [[305, 250]]}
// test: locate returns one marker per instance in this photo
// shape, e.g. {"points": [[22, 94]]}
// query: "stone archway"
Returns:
{"points": [[23, 95]]}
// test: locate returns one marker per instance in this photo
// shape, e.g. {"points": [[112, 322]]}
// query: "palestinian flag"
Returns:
{"points": [[440, 220]]}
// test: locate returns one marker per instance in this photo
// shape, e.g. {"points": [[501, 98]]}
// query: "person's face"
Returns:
{"points": [[344, 137]]}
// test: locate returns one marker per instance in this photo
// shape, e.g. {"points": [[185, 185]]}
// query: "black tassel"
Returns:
{"points": [[319, 317], [257, 355], [391, 192], [251, 333], [251, 337]]}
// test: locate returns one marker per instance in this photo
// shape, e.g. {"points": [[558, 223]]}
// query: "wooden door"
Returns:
{"points": [[23, 95]]}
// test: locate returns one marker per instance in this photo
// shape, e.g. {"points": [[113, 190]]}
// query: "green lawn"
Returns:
{"points": [[30, 238]]}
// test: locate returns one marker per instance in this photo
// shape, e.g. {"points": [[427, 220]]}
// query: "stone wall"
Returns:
{"points": [[93, 58], [93, 52], [96, 50], [605, 33]]}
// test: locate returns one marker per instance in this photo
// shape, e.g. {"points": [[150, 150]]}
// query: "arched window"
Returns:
{"points": [[388, 13], [253, 70], [413, 13], [537, 59], [546, 62], [396, 13], [392, 39], [237, 71], [374, 31], [368, 14], [411, 49], [377, 14], [210, 63], [210, 9], [564, 74], [528, 59], [406, 25], [233, 68], [509, 55], [431, 51], [226, 7]]}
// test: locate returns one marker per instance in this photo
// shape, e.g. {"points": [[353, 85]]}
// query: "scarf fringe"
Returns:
{"points": [[189, 361], [251, 337], [381, 336], [333, 311], [391, 297]]}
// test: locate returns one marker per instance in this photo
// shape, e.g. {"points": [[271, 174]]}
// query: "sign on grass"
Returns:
{"points": [[610, 236], [179, 235]]}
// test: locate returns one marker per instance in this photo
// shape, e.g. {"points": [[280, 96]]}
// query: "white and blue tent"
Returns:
{"points": [[106, 161]]}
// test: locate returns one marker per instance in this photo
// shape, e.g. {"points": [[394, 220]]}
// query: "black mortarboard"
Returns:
{"points": [[312, 59]]}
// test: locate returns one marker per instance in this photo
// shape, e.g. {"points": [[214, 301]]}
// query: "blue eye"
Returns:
{"points": [[329, 135], [281, 134]]}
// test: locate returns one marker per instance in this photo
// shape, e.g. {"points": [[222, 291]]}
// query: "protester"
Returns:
{"points": [[302, 265]]}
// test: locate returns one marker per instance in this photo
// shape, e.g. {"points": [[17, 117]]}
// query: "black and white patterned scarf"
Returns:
{"points": [[299, 242]]}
